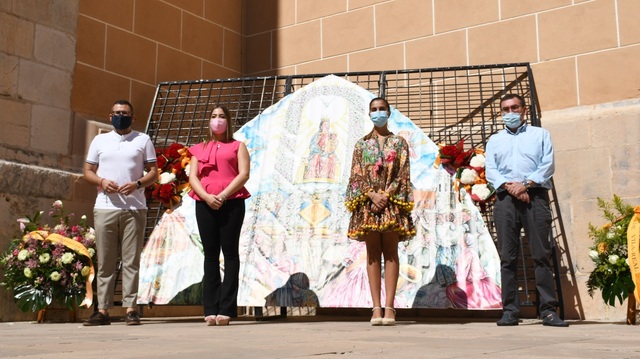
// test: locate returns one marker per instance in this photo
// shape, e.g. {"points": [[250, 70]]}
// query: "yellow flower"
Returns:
{"points": [[602, 248]]}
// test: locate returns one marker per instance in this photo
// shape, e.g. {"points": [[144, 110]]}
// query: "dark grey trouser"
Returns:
{"points": [[510, 216]]}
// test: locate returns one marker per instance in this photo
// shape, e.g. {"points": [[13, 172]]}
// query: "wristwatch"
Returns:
{"points": [[526, 184], [139, 184]]}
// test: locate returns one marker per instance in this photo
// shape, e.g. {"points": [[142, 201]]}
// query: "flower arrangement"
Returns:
{"points": [[469, 169], [609, 252], [453, 157], [50, 264], [173, 175]]}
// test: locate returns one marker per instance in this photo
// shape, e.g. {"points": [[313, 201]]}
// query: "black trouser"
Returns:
{"points": [[510, 215], [220, 229]]}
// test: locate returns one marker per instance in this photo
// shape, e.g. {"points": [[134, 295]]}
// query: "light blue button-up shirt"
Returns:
{"points": [[526, 154]]}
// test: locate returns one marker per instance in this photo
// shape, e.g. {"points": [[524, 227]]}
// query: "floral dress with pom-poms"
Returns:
{"points": [[382, 170]]}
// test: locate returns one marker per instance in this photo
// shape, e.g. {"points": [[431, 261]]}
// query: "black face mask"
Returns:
{"points": [[121, 122]]}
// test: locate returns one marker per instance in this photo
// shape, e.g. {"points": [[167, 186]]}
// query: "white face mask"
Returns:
{"points": [[379, 118], [511, 119]]}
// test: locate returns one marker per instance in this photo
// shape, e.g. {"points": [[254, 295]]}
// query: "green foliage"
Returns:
{"points": [[611, 274]]}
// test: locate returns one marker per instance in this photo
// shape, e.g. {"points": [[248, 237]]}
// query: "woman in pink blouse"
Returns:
{"points": [[219, 170]]}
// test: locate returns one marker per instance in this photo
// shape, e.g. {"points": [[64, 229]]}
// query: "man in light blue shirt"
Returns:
{"points": [[520, 166]]}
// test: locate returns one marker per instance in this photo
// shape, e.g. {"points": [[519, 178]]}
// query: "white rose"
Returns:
{"points": [[57, 204], [91, 251], [613, 259], [187, 169], [468, 176], [477, 161], [594, 255], [167, 177], [23, 254], [55, 276]]}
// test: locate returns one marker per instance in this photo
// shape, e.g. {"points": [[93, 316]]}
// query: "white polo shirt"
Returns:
{"points": [[121, 159]]}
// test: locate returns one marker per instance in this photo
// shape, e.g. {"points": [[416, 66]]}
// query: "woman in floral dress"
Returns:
{"points": [[380, 199]]}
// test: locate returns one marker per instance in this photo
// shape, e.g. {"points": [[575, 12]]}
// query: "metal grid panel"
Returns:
{"points": [[448, 104]]}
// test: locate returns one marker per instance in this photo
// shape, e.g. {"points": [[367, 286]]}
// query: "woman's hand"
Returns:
{"points": [[215, 201], [379, 201]]}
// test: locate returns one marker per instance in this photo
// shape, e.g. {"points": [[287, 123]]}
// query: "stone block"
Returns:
{"points": [[90, 47], [268, 15], [297, 43], [312, 10], [609, 76], [483, 39], [55, 48], [616, 124], [392, 19], [585, 174], [44, 84], [17, 36], [348, 32], [629, 25], [232, 53], [190, 67], [214, 71], [97, 100], [330, 65], [9, 69], [577, 29], [459, 14], [16, 119], [50, 130], [38, 11], [356, 4], [104, 11], [427, 52], [64, 15], [202, 38], [164, 26], [380, 58], [513, 8], [130, 55], [227, 13], [556, 92], [570, 129], [255, 59]]}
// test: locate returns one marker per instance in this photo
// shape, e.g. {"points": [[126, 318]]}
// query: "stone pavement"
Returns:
{"points": [[319, 337]]}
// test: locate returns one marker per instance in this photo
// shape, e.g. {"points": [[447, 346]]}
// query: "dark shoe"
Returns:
{"points": [[508, 320], [553, 320], [97, 318], [133, 318]]}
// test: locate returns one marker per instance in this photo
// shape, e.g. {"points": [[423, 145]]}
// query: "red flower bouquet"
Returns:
{"points": [[173, 177]]}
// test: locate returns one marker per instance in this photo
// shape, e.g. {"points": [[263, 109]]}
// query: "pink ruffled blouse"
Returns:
{"points": [[217, 167]]}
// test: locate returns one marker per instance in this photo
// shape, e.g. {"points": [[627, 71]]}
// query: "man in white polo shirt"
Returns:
{"points": [[116, 163]]}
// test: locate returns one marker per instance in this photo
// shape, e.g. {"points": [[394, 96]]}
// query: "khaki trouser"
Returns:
{"points": [[118, 232]]}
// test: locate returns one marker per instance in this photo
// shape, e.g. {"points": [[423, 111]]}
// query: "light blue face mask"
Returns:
{"points": [[379, 118], [511, 119]]}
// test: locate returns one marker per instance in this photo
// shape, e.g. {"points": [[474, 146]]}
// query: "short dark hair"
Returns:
{"points": [[512, 95], [123, 102]]}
